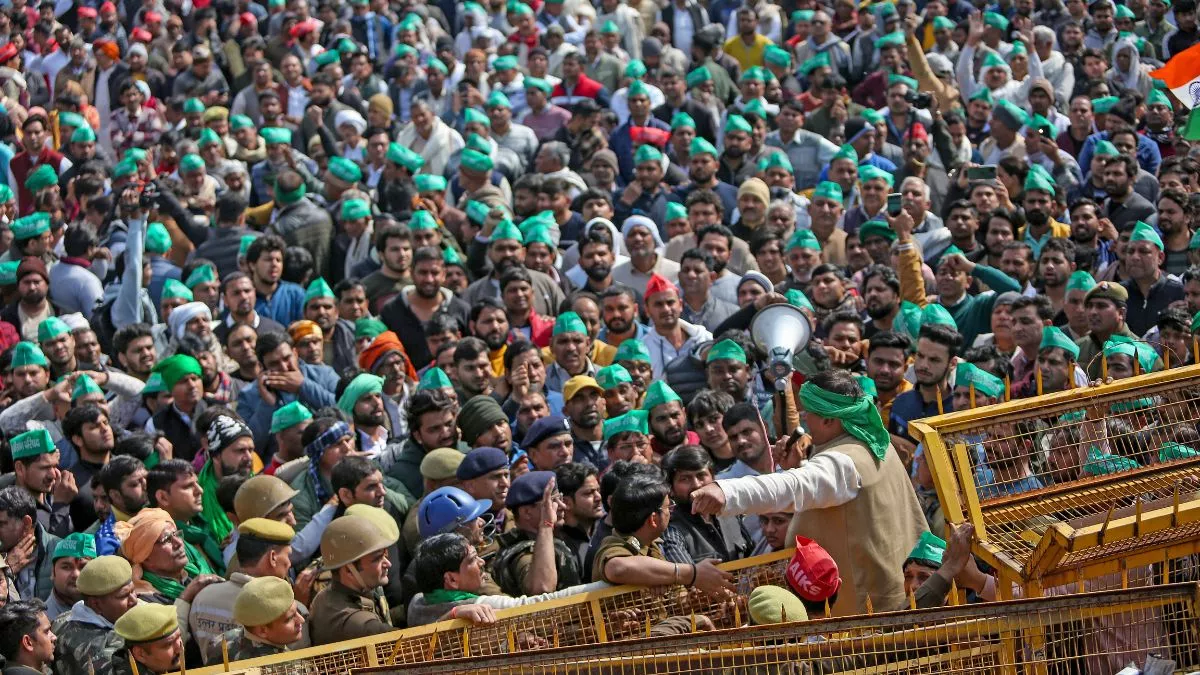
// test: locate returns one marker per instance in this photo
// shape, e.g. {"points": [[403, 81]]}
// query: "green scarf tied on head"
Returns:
{"points": [[858, 415], [286, 197]]}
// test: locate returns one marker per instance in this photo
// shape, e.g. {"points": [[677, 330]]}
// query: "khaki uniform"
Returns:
{"points": [[243, 645], [339, 613], [616, 546]]}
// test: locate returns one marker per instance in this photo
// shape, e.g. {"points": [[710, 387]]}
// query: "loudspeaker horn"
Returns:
{"points": [[782, 331]]}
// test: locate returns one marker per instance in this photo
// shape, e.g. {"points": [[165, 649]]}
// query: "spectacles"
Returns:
{"points": [[167, 537]]}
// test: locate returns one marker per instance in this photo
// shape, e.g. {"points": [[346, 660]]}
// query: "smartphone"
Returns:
{"points": [[894, 204], [987, 172]]}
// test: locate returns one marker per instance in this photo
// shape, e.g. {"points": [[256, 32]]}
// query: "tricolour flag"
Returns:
{"points": [[1182, 76]]}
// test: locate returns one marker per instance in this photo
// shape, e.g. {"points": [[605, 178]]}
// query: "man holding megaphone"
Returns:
{"points": [[853, 495]]}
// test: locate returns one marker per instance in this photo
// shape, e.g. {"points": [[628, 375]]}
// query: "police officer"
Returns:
{"points": [[262, 496], [532, 560], [354, 549], [86, 641], [152, 640], [270, 619]]}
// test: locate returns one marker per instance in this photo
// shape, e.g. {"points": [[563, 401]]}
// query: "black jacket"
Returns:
{"points": [[706, 124], [690, 538], [222, 247], [400, 319], [181, 434]]}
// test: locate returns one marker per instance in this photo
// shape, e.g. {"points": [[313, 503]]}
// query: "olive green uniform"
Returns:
{"points": [[339, 613]]}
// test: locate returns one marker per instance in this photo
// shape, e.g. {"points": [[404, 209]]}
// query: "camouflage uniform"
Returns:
{"points": [[242, 646], [80, 643]]}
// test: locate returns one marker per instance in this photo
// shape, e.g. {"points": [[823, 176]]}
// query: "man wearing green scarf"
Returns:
{"points": [[853, 495], [230, 453]]}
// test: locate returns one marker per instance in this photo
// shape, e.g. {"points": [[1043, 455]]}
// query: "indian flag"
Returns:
{"points": [[1182, 76]]}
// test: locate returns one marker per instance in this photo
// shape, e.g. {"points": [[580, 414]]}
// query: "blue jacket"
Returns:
{"points": [[285, 306], [161, 269], [317, 391], [621, 143], [1148, 155]]}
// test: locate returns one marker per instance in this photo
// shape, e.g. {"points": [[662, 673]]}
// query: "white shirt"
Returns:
{"points": [[828, 479], [103, 106], [684, 30], [297, 101]]}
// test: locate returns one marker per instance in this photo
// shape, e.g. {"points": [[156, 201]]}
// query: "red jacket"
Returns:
{"points": [[540, 328], [586, 87], [21, 166]]}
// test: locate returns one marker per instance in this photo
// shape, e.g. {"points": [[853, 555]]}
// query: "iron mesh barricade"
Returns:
{"points": [[1093, 633], [1079, 490]]}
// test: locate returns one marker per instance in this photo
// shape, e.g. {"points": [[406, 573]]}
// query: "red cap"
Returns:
{"points": [[107, 7], [8, 52], [247, 18], [140, 34], [658, 284], [917, 132], [812, 573], [87, 12], [303, 28], [152, 17], [655, 137], [201, 4]]}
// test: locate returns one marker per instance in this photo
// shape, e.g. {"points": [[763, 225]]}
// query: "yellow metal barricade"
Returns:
{"points": [[1084, 489], [1094, 633]]}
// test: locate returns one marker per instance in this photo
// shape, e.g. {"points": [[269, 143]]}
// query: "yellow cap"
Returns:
{"points": [[268, 530], [775, 604], [441, 463], [262, 600], [104, 575], [261, 495], [579, 383], [147, 622]]}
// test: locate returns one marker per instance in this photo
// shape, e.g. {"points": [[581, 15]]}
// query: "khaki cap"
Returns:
{"points": [[441, 463], [261, 495], [352, 537], [268, 530], [147, 622], [382, 519], [104, 575], [263, 600], [1109, 290]]}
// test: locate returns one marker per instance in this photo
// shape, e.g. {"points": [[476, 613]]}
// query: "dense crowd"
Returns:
{"points": [[321, 321]]}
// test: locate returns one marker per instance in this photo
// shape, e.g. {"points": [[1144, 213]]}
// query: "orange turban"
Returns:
{"points": [[109, 48], [383, 343], [304, 328], [138, 537]]}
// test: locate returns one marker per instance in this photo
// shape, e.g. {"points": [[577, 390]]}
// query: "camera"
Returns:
{"points": [[918, 99]]}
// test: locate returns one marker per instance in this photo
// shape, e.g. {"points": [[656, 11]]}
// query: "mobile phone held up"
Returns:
{"points": [[894, 204], [987, 172]]}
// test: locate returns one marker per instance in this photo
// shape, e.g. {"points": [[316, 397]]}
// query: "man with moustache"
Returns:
{"points": [[411, 309]]}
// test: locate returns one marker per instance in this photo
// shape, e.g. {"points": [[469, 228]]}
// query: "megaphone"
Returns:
{"points": [[781, 331]]}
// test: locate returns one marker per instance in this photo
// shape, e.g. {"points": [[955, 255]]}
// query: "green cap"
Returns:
{"points": [[1034, 181], [632, 350], [1100, 464], [726, 350], [1080, 281], [675, 211], [344, 169], [1052, 336], [902, 79], [1018, 49], [737, 123], [85, 386], [803, 238], [819, 60], [434, 378], [328, 57], [929, 549], [569, 322], [701, 146], [659, 393], [753, 74], [175, 368], [276, 136], [995, 20], [1170, 451], [848, 152], [422, 220], [1157, 97], [208, 137], [610, 377], [438, 65], [647, 153], [368, 327], [355, 209], [204, 274], [451, 257], [634, 420], [876, 227], [28, 354], [867, 172], [67, 118], [803, 15], [637, 88], [8, 272], [540, 84], [361, 385], [158, 240], [636, 69], [244, 244], [237, 122], [52, 328], [289, 416], [475, 116], [405, 157], [193, 106], [478, 144], [1193, 244], [319, 288], [1011, 109], [983, 94], [987, 384], [476, 161], [1039, 123], [698, 77], [993, 60], [190, 163], [506, 230], [1124, 12], [540, 234], [403, 50], [1105, 149], [1104, 104], [41, 178], [682, 120], [32, 225], [173, 289], [797, 298], [610, 27], [936, 315], [943, 23], [32, 444], [75, 545], [498, 99], [503, 63], [1143, 232], [757, 109], [83, 135], [778, 57], [828, 190]]}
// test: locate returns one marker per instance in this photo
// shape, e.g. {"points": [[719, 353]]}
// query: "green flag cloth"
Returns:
{"points": [[858, 415]]}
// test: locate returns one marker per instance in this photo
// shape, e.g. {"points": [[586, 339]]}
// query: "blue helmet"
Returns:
{"points": [[448, 508]]}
